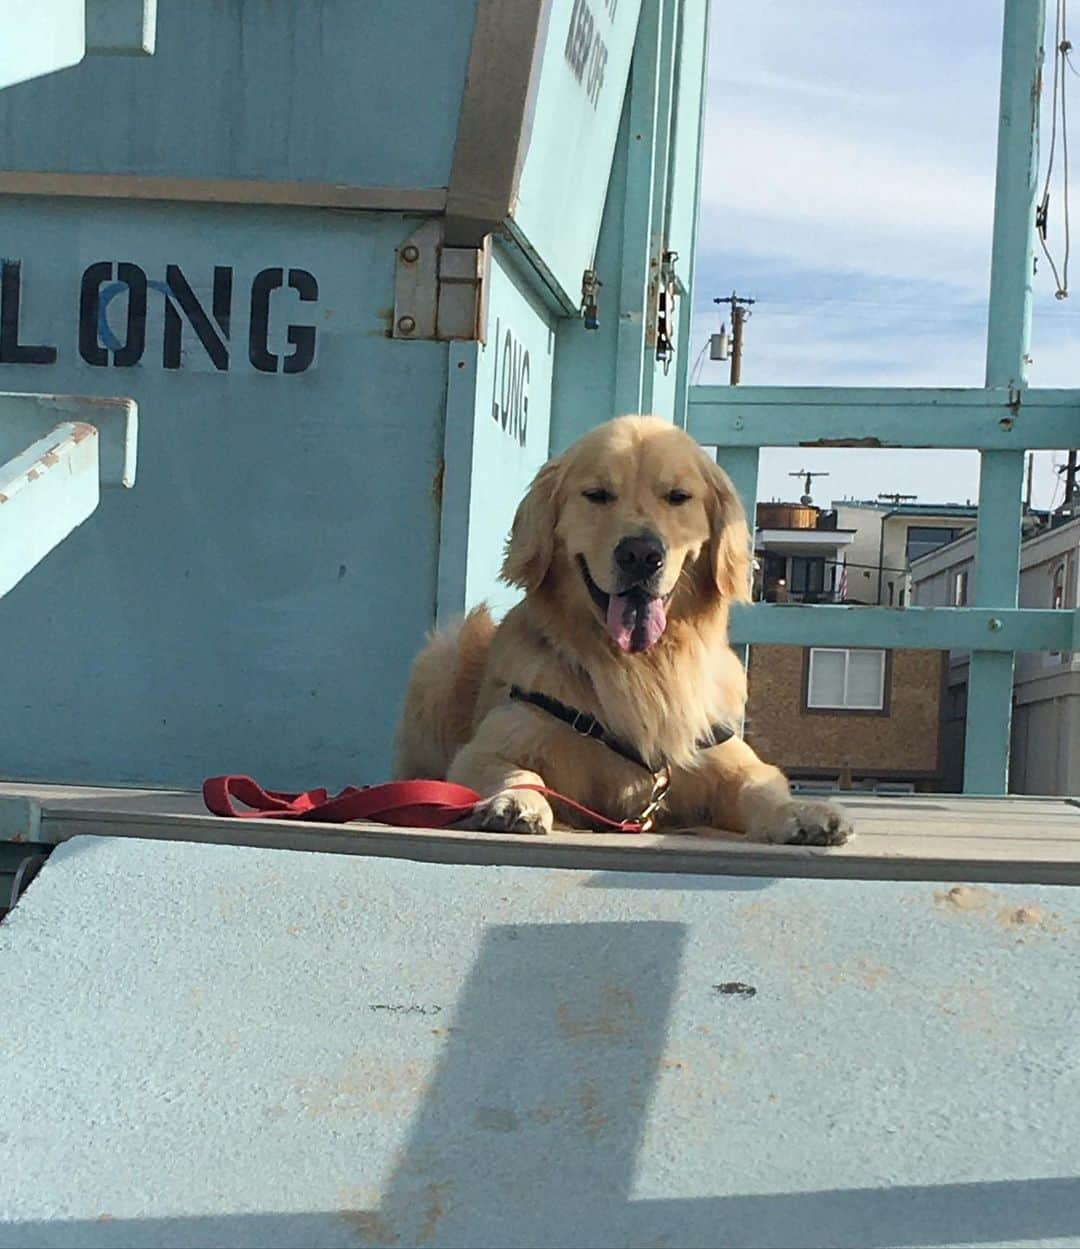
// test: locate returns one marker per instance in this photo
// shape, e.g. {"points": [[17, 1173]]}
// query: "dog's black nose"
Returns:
{"points": [[639, 558]]}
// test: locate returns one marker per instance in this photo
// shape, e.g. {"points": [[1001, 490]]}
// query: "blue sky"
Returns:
{"points": [[848, 186]]}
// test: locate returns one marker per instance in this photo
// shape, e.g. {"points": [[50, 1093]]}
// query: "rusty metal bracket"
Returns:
{"points": [[416, 283], [439, 292]]}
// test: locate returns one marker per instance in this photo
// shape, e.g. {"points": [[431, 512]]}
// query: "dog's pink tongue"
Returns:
{"points": [[635, 622]]}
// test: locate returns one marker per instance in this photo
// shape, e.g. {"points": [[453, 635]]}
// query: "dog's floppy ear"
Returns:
{"points": [[730, 537], [531, 545]]}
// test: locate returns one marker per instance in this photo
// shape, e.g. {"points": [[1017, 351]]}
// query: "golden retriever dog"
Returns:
{"points": [[612, 678]]}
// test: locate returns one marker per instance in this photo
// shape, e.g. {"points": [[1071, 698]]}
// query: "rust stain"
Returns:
{"points": [[965, 898], [433, 1212], [3, 498], [366, 1088], [613, 1017], [82, 431], [49, 459], [437, 485], [32, 475], [560, 884], [370, 1227], [591, 1117], [873, 975], [973, 899]]}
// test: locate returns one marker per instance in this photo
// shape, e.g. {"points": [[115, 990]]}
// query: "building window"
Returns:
{"points": [[922, 539], [960, 589], [845, 680], [807, 575]]}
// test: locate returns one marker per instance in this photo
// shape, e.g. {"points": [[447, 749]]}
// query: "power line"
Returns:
{"points": [[1062, 48]]}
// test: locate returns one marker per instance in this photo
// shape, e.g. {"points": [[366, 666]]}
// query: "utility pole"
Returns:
{"points": [[1027, 491], [807, 499], [740, 311]]}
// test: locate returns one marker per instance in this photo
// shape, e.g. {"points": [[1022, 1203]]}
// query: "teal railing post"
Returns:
{"points": [[997, 554]]}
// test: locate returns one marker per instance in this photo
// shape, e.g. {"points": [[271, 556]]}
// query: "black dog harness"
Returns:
{"points": [[589, 726]]}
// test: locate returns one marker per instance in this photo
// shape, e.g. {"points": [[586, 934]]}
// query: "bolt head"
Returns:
{"points": [[993, 624], [406, 325], [410, 253]]}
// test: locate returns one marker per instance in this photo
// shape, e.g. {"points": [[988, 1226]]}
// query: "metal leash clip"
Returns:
{"points": [[661, 784]]}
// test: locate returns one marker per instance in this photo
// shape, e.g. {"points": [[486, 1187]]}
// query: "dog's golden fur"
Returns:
{"points": [[631, 475]]}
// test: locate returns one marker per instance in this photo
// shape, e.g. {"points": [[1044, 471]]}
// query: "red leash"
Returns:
{"points": [[409, 804]]}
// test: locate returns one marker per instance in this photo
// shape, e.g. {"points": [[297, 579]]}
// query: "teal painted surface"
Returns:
{"points": [[513, 425], [997, 580], [584, 388], [684, 184], [121, 27], [315, 1050], [1012, 266], [255, 602], [498, 435], [568, 161], [655, 392], [1008, 335], [1001, 421], [39, 37], [741, 465], [278, 91], [778, 416], [650, 208], [637, 254], [943, 628]]}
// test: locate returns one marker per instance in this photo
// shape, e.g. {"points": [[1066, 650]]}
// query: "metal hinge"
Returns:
{"points": [[665, 288], [440, 292]]}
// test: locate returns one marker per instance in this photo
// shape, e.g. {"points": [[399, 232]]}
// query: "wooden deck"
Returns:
{"points": [[909, 837]]}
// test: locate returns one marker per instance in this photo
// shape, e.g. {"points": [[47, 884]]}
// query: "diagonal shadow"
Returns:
{"points": [[1006, 1212]]}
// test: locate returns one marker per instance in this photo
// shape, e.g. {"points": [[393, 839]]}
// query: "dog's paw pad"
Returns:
{"points": [[514, 813], [810, 824]]}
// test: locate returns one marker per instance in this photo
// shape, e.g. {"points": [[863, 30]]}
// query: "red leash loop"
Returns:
{"points": [[407, 804]]}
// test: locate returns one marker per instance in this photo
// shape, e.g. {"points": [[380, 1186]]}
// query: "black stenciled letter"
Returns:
{"points": [[301, 337], [11, 350], [90, 347], [180, 291], [524, 398], [131, 352]]}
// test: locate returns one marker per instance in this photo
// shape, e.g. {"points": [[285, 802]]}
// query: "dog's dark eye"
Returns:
{"points": [[598, 495], [677, 497]]}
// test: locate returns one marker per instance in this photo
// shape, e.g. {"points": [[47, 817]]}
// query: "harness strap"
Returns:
{"points": [[589, 726]]}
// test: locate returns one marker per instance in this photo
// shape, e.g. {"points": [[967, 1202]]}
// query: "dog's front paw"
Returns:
{"points": [[803, 823], [514, 811]]}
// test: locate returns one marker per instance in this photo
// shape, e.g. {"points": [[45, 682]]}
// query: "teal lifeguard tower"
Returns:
{"points": [[295, 297]]}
